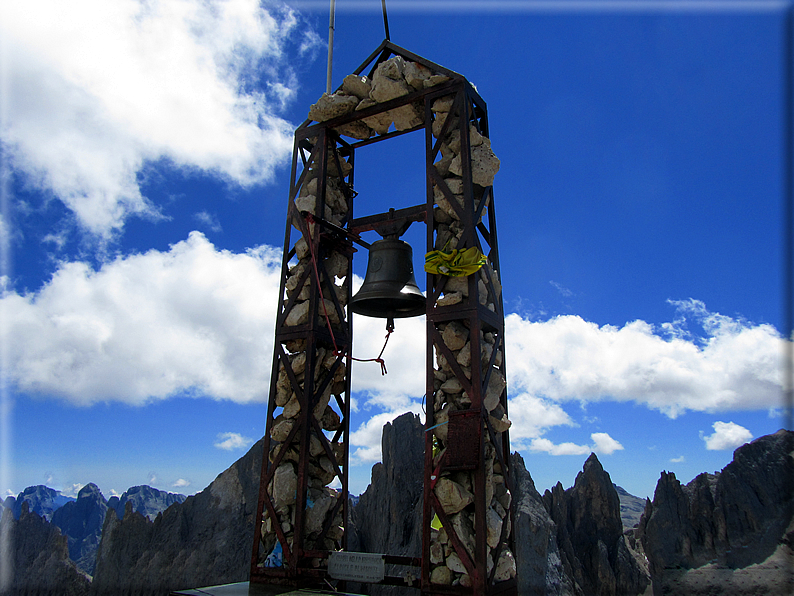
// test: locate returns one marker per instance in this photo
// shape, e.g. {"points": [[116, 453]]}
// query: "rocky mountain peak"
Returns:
{"points": [[90, 491], [81, 521], [388, 517], [590, 462], [737, 522], [41, 499], [146, 500], [204, 540], [40, 557], [593, 550]]}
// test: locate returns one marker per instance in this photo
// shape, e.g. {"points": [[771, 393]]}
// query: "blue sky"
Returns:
{"points": [[145, 180]]}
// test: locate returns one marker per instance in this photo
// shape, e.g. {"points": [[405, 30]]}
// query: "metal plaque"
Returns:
{"points": [[359, 567], [463, 440]]}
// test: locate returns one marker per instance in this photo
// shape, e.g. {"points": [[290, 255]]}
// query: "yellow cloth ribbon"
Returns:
{"points": [[457, 263]]}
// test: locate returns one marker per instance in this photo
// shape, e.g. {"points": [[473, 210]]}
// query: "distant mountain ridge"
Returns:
{"points": [[44, 501], [631, 508], [80, 520], [41, 500], [729, 533], [145, 500]]}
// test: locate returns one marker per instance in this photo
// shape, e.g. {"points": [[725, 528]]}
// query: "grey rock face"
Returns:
{"points": [[593, 550], [631, 508], [81, 521], [729, 533], [540, 569], [206, 540], [40, 559], [388, 517], [389, 513]]}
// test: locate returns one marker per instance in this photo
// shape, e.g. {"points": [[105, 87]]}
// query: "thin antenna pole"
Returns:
{"points": [[788, 220], [385, 19], [331, 47]]}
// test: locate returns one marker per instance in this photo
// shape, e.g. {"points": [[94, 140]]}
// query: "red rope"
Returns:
{"points": [[309, 221], [389, 325], [379, 360]]}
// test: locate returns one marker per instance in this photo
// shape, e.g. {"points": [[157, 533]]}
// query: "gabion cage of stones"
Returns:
{"points": [[455, 490], [321, 512], [318, 375]]}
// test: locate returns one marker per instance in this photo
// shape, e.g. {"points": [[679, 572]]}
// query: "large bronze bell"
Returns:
{"points": [[389, 290]]}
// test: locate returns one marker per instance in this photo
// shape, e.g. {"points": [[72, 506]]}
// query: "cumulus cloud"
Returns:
{"points": [[727, 435], [603, 444], [193, 319], [546, 445], [677, 460], [97, 90], [147, 326], [181, 483], [532, 416], [199, 321], [736, 365], [232, 441]]}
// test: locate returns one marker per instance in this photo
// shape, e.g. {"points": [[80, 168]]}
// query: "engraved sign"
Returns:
{"points": [[360, 567], [463, 440]]}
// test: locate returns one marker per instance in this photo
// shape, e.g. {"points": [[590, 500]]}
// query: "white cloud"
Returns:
{"points": [[531, 417], [727, 435], [209, 220], [148, 326], [71, 491], [198, 320], [181, 483], [677, 460], [602, 444], [96, 90], [565, 292], [561, 449], [152, 477], [232, 441], [191, 319], [737, 366]]}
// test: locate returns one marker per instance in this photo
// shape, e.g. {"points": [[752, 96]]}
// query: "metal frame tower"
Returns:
{"points": [[308, 417]]}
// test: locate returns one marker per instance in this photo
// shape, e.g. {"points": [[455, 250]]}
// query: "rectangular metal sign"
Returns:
{"points": [[463, 440], [360, 567]]}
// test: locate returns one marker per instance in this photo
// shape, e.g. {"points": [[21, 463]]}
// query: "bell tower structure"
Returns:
{"points": [[302, 512]]}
